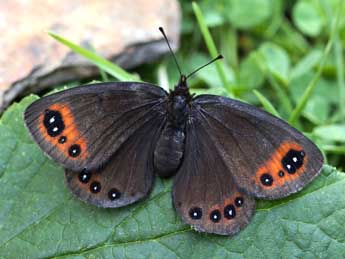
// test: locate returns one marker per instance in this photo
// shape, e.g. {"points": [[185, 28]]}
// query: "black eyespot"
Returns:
{"points": [[53, 123], [230, 211], [95, 187], [293, 160], [266, 179], [84, 176], [114, 194], [215, 216], [195, 213], [281, 173], [74, 150], [239, 201], [62, 139]]}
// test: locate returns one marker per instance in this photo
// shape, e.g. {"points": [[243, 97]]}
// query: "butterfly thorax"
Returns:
{"points": [[179, 103], [170, 146]]}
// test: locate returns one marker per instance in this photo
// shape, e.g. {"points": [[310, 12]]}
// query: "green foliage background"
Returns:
{"points": [[285, 56]]}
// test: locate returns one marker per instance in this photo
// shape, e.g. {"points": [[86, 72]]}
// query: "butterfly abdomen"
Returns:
{"points": [[169, 150]]}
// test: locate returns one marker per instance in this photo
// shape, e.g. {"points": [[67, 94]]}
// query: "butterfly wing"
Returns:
{"points": [[81, 128], [266, 156], [204, 192], [126, 178]]}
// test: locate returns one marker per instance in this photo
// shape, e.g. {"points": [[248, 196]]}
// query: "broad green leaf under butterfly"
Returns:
{"points": [[39, 218]]}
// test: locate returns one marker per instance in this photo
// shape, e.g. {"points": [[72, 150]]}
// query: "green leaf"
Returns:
{"points": [[306, 64], [245, 14], [102, 63], [210, 76], [331, 132], [40, 218], [213, 90], [214, 12], [277, 61], [320, 102], [250, 74], [307, 18]]}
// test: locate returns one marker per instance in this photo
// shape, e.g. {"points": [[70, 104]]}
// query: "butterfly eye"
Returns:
{"points": [[95, 187], [114, 194], [215, 216], [195, 213], [266, 179], [230, 211]]}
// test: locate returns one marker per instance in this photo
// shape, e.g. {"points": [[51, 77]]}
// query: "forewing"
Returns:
{"points": [[267, 157], [126, 178], [84, 126], [204, 192]]}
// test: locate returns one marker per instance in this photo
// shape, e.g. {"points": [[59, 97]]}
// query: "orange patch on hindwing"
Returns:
{"points": [[232, 207], [57, 126], [286, 164], [214, 213], [226, 211]]}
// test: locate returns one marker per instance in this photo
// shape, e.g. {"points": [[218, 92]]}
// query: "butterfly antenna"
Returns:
{"points": [[172, 53], [213, 60]]}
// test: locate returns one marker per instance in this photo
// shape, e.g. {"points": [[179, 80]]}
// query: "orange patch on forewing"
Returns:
{"points": [[71, 132], [274, 165]]}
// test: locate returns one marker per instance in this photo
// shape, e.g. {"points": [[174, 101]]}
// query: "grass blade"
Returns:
{"points": [[266, 103], [280, 91], [211, 47], [296, 113], [102, 63]]}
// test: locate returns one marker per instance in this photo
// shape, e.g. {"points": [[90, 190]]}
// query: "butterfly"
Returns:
{"points": [[113, 138]]}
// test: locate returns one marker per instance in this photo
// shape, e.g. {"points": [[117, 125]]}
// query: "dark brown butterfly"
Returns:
{"points": [[113, 137]]}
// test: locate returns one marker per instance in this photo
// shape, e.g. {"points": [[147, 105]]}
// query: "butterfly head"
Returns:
{"points": [[182, 84]]}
